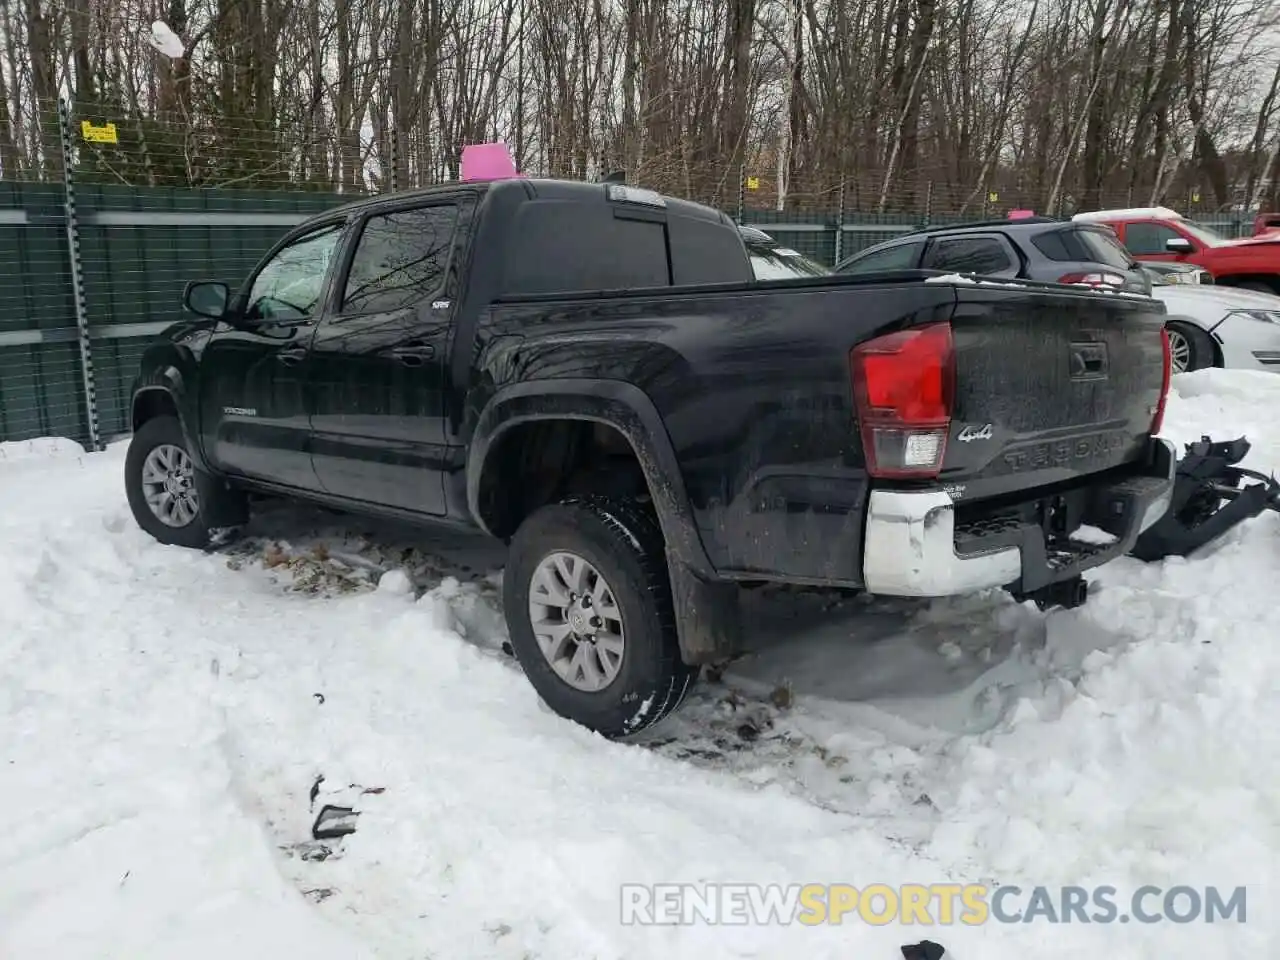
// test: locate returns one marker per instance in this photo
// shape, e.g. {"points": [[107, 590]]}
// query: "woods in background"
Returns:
{"points": [[900, 104]]}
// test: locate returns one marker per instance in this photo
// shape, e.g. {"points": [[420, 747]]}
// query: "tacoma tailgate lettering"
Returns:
{"points": [[1076, 451]]}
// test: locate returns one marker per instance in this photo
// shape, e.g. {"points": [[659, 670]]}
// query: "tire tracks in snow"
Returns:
{"points": [[763, 736]]}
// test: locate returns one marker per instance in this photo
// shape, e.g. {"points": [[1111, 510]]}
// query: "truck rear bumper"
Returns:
{"points": [[922, 544]]}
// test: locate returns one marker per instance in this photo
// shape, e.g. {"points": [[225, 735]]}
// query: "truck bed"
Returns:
{"points": [[752, 383]]}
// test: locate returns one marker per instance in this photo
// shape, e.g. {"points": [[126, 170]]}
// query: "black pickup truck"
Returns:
{"points": [[591, 373]]}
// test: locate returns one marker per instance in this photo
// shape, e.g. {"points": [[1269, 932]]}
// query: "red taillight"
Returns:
{"points": [[903, 390], [1093, 279], [1157, 422]]}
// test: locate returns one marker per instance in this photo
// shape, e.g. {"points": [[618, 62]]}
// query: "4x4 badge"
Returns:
{"points": [[968, 434]]}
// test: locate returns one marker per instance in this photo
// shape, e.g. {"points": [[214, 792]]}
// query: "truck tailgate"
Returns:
{"points": [[1050, 384]]}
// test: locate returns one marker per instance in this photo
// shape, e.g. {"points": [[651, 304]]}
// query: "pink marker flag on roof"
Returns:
{"points": [[1021, 214], [487, 161]]}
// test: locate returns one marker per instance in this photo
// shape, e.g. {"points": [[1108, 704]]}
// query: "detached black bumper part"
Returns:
{"points": [[1208, 500]]}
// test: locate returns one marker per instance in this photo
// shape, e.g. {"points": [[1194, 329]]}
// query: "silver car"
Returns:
{"points": [[1214, 326]]}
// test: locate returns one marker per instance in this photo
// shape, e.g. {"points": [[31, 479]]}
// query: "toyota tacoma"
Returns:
{"points": [[592, 374]]}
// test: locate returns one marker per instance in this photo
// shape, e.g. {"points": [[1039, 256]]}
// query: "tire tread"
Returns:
{"points": [[632, 527]]}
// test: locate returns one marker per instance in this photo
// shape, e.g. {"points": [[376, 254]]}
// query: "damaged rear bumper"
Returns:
{"points": [[922, 544]]}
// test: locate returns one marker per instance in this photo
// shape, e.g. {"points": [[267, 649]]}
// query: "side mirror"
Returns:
{"points": [[207, 298], [1179, 245]]}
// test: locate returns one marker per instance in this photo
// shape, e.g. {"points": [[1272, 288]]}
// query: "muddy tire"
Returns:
{"points": [[589, 610], [170, 499]]}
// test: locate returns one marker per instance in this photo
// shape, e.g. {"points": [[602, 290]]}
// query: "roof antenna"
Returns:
{"points": [[618, 176]]}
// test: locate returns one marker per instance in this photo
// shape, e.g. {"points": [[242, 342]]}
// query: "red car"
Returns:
{"points": [[1158, 233], [1265, 222]]}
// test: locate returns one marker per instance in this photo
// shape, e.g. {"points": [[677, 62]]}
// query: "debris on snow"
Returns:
{"points": [[783, 695], [334, 822], [924, 950]]}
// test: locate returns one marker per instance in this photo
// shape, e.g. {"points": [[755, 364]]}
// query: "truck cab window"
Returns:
{"points": [[565, 248], [1146, 239], [288, 287], [400, 259]]}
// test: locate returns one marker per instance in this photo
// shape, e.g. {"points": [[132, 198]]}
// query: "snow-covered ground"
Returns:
{"points": [[166, 714]]}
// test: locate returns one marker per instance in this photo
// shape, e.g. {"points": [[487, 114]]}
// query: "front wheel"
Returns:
{"points": [[589, 610], [1190, 348], [161, 483]]}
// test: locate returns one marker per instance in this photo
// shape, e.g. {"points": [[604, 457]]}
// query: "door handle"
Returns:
{"points": [[414, 355], [290, 357]]}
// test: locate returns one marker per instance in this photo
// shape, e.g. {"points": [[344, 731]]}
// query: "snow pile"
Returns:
{"points": [[41, 448], [164, 717]]}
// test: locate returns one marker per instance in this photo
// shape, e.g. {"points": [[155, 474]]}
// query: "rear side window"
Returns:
{"points": [[568, 247], [400, 259], [905, 256], [983, 255], [1054, 246]]}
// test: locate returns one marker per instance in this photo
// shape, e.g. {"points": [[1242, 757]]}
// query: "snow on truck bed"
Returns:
{"points": [[164, 716]]}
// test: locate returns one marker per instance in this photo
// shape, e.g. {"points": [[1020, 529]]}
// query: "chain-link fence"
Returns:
{"points": [[102, 225]]}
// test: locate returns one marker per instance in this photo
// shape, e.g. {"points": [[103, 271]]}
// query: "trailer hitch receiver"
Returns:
{"points": [[1067, 594]]}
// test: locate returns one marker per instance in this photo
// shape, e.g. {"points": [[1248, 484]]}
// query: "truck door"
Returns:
{"points": [[377, 364], [253, 411], [1148, 239]]}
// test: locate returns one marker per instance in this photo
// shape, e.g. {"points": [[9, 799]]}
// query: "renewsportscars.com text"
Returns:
{"points": [[813, 904]]}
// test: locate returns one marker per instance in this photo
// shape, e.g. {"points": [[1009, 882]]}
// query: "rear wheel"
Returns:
{"points": [[589, 610], [1190, 348]]}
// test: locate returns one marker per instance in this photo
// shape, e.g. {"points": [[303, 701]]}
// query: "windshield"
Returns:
{"points": [[1207, 236], [781, 263]]}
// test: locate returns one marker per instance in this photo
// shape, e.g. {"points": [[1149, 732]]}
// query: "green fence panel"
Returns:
{"points": [[40, 392], [35, 273], [115, 362]]}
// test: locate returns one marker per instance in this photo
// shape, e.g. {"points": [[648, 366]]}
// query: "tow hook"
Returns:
{"points": [[1066, 594]]}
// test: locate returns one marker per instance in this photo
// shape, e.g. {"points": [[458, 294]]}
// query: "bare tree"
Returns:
{"points": [[890, 105]]}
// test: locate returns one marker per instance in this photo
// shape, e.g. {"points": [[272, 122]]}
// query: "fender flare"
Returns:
{"points": [[169, 381], [620, 405]]}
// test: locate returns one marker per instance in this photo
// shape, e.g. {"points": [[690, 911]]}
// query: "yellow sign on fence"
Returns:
{"points": [[753, 183], [103, 134]]}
